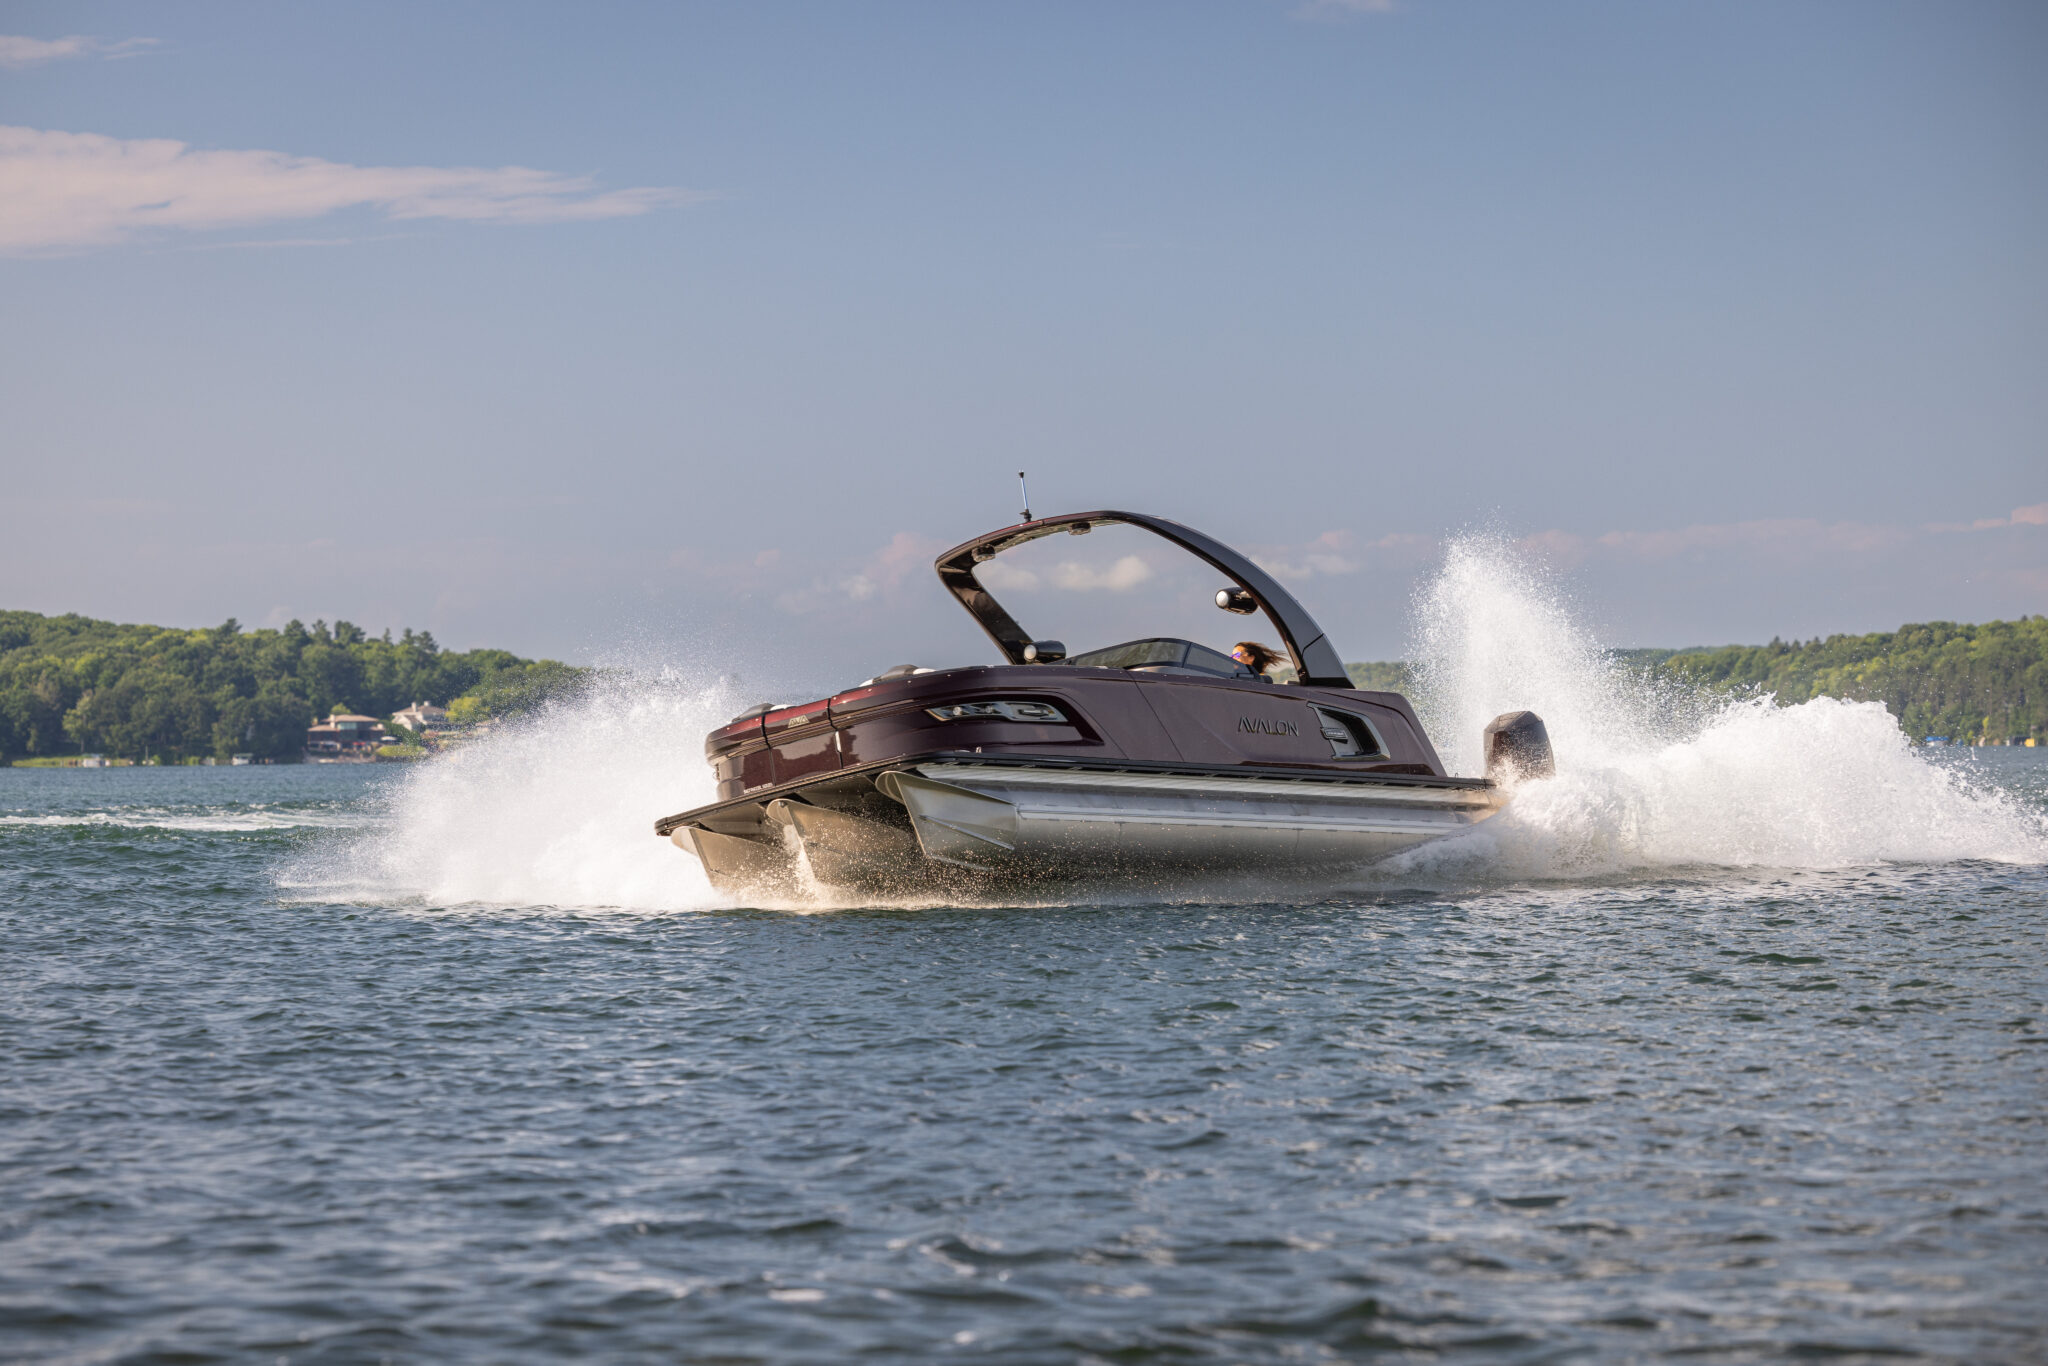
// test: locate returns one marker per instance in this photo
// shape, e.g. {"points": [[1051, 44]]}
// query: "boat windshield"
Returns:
{"points": [[1163, 654]]}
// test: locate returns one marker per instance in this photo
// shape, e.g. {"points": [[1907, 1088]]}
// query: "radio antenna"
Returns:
{"points": [[1025, 494]]}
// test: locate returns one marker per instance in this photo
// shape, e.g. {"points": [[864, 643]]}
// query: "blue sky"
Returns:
{"points": [[1736, 314]]}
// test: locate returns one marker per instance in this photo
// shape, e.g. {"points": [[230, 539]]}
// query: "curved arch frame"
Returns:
{"points": [[1316, 662]]}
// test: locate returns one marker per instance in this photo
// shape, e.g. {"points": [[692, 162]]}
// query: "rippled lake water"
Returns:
{"points": [[1720, 1115]]}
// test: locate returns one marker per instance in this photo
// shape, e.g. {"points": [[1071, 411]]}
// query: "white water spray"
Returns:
{"points": [[1650, 776], [555, 810]]}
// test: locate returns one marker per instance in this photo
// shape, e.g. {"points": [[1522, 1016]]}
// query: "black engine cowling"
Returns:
{"points": [[1518, 746]]}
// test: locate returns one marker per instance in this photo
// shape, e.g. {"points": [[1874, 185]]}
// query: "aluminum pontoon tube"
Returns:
{"points": [[994, 818]]}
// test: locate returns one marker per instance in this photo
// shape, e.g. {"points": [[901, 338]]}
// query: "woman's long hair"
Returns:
{"points": [[1256, 657]]}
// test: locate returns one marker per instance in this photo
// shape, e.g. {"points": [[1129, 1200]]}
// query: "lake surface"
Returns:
{"points": [[1680, 1112]]}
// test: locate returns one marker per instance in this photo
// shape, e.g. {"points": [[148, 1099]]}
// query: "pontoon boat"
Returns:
{"points": [[1151, 763]]}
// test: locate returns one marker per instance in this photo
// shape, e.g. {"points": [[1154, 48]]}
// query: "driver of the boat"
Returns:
{"points": [[1256, 657]]}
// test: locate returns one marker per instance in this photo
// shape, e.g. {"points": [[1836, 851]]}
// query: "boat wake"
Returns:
{"points": [[237, 819], [558, 811], [1651, 776]]}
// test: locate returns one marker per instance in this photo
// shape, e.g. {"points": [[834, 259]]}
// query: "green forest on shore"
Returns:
{"points": [[70, 684], [1968, 682]]}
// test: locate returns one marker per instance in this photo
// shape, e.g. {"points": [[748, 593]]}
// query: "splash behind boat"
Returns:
{"points": [[1157, 762]]}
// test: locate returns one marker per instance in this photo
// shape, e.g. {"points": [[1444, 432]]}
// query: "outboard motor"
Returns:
{"points": [[1517, 746]]}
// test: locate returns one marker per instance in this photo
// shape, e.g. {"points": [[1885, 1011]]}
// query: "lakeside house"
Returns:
{"points": [[422, 717], [346, 736]]}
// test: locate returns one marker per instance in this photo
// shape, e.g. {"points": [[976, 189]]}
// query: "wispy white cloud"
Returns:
{"points": [[2035, 514], [17, 52], [245, 243], [1806, 535], [1773, 539], [1768, 536], [906, 553], [1333, 552], [1336, 553], [63, 191], [1807, 532], [880, 573], [1001, 577], [1121, 577]]}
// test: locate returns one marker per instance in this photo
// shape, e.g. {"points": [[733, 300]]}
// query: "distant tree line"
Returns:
{"points": [[1988, 681], [1967, 682], [70, 684], [1382, 676]]}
